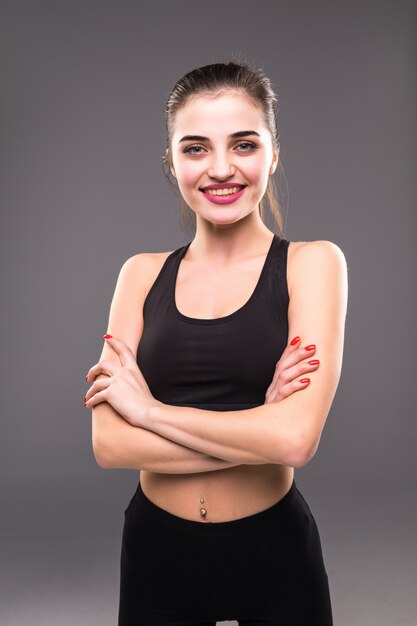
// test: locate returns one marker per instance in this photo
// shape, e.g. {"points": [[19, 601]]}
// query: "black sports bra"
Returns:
{"points": [[220, 364]]}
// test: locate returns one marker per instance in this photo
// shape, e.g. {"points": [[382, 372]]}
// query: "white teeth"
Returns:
{"points": [[222, 192]]}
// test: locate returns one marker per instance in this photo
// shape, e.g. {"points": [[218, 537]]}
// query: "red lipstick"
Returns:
{"points": [[224, 199]]}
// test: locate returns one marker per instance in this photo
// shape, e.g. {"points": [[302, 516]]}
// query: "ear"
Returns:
{"points": [[171, 169], [274, 162]]}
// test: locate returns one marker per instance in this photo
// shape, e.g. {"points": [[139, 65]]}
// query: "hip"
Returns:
{"points": [[269, 562]]}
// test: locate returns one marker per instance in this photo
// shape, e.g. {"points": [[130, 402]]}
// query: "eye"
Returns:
{"points": [[251, 145], [190, 149], [196, 150]]}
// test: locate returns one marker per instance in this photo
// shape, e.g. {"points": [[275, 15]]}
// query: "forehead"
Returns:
{"points": [[211, 116]]}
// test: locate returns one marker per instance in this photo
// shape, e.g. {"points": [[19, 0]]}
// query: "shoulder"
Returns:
{"points": [[144, 260], [133, 283], [142, 268], [321, 248], [311, 259]]}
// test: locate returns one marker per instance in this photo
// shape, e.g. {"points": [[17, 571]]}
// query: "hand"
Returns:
{"points": [[125, 388], [292, 364]]}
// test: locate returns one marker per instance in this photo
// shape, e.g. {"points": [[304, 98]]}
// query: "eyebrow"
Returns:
{"points": [[240, 133]]}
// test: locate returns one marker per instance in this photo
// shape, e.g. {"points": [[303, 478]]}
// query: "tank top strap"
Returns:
{"points": [[276, 286], [162, 284]]}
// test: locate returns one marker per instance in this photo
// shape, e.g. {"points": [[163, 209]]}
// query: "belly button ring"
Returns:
{"points": [[203, 511]]}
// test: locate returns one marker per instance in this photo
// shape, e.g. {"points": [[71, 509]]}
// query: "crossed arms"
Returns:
{"points": [[187, 440]]}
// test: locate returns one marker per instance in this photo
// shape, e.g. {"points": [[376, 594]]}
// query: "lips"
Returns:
{"points": [[223, 186], [224, 198]]}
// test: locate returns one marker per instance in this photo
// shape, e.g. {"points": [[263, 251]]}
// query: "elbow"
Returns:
{"points": [[300, 459], [300, 450], [101, 454], [296, 459], [304, 452]]}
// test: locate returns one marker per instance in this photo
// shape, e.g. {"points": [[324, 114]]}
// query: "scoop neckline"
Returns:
{"points": [[224, 318]]}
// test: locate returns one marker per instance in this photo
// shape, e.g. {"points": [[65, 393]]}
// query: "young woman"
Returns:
{"points": [[218, 371]]}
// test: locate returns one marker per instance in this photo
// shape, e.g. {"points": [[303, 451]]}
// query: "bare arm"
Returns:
{"points": [[287, 432], [116, 443]]}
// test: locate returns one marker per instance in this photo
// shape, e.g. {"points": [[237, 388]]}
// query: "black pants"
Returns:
{"points": [[264, 569]]}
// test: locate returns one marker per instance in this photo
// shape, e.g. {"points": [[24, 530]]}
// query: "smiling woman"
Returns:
{"points": [[198, 159], [207, 385]]}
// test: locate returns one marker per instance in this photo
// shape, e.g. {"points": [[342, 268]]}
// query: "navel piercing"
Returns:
{"points": [[203, 511]]}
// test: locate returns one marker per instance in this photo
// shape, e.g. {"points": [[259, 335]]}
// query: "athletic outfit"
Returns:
{"points": [[266, 568]]}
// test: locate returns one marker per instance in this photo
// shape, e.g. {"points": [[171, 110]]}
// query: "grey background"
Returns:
{"points": [[84, 86]]}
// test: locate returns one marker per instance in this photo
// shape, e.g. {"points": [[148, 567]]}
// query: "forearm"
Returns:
{"points": [[269, 433], [118, 444]]}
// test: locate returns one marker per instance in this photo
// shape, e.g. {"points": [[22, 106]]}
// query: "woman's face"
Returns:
{"points": [[207, 150]]}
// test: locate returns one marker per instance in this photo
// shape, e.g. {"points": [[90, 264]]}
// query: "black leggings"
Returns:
{"points": [[264, 569]]}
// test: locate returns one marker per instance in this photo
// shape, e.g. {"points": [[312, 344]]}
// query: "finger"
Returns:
{"points": [[104, 366], [288, 389], [297, 370], [290, 348], [125, 353], [127, 358], [96, 399], [294, 343], [289, 374], [294, 385], [98, 385], [294, 356]]}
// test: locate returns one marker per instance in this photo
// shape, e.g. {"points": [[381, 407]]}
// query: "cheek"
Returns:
{"points": [[256, 172], [189, 175]]}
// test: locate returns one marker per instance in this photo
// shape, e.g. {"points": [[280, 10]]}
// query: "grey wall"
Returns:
{"points": [[84, 86]]}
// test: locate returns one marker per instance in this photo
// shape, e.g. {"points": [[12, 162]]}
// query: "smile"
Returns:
{"points": [[223, 196], [223, 192]]}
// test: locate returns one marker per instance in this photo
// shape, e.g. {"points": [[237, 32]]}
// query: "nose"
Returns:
{"points": [[221, 166]]}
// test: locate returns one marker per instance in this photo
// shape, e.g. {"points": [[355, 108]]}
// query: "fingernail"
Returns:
{"points": [[314, 362], [304, 380], [107, 337], [295, 340], [86, 377], [310, 347]]}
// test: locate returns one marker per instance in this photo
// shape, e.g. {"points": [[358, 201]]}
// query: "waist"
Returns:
{"points": [[225, 495]]}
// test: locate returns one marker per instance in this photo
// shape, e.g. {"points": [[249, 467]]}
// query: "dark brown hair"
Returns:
{"points": [[210, 80]]}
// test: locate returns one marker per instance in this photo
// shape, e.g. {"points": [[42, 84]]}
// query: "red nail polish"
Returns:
{"points": [[304, 380], [86, 377], [107, 337], [294, 341], [314, 362], [310, 347]]}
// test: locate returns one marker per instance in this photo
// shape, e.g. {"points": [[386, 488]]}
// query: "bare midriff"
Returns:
{"points": [[224, 495]]}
